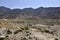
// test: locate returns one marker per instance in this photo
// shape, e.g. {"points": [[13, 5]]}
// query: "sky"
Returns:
{"points": [[29, 3]]}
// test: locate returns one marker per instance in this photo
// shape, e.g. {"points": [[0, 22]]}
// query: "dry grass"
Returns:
{"points": [[21, 26]]}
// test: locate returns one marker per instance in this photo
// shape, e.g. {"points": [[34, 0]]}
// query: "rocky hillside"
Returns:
{"points": [[15, 30], [41, 12]]}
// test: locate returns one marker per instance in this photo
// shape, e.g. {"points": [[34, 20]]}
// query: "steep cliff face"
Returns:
{"points": [[41, 12]]}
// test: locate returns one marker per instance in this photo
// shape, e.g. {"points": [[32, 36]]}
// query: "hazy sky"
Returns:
{"points": [[29, 3]]}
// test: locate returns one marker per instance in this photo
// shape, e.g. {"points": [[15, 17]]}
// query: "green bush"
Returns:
{"points": [[2, 38], [9, 32], [17, 31], [46, 31], [56, 38]]}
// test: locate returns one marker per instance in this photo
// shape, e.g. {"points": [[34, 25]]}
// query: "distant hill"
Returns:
{"points": [[41, 12]]}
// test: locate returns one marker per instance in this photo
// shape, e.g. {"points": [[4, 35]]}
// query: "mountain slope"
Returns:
{"points": [[41, 12]]}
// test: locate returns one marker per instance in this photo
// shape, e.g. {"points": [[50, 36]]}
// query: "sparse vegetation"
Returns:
{"points": [[25, 29]]}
